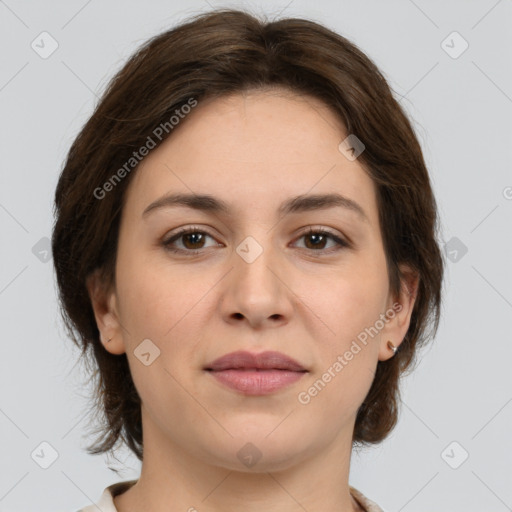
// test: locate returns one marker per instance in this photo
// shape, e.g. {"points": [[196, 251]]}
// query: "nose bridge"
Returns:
{"points": [[254, 260], [256, 289]]}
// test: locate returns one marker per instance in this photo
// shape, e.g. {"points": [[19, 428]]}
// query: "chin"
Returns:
{"points": [[263, 460], [259, 452]]}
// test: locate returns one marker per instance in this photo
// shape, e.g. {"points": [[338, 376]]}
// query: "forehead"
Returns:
{"points": [[254, 150]]}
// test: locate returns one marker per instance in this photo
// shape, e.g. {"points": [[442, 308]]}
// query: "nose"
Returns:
{"points": [[256, 291]]}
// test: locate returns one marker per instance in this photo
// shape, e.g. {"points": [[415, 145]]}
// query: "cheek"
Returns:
{"points": [[336, 395], [347, 354], [351, 302], [156, 298], [160, 304]]}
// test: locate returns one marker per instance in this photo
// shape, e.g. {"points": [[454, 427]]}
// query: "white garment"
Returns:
{"points": [[106, 501]]}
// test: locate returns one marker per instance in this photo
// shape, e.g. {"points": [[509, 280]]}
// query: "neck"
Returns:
{"points": [[173, 479]]}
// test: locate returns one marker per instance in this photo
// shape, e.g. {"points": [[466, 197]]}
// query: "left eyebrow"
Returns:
{"points": [[297, 204]]}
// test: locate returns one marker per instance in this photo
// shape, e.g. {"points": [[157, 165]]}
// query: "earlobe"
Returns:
{"points": [[392, 347], [103, 302]]}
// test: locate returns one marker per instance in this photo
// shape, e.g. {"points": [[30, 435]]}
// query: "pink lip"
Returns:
{"points": [[256, 374]]}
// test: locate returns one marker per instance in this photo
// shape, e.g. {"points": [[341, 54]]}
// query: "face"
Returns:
{"points": [[309, 281]]}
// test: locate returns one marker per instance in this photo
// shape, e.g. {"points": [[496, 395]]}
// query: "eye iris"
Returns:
{"points": [[317, 237], [193, 236]]}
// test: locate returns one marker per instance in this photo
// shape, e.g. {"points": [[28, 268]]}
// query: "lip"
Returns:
{"points": [[256, 374]]}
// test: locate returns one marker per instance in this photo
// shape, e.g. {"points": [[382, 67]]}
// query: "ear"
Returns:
{"points": [[104, 305], [399, 312]]}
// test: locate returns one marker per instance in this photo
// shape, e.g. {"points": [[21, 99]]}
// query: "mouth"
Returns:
{"points": [[256, 374]]}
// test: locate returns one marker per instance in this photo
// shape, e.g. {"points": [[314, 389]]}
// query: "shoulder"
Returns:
{"points": [[106, 500], [367, 504]]}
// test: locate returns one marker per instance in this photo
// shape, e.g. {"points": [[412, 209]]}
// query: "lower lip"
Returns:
{"points": [[257, 382]]}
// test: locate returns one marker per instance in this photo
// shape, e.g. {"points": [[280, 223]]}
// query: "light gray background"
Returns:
{"points": [[462, 111]]}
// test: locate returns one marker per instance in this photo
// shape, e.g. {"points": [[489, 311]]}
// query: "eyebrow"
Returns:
{"points": [[302, 203]]}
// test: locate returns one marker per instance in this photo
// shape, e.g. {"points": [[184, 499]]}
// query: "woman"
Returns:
{"points": [[245, 246]]}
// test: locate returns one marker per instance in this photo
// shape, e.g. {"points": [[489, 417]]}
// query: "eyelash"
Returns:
{"points": [[311, 231]]}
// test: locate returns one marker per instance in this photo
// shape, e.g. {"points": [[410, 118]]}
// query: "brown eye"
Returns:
{"points": [[317, 239], [195, 239], [192, 240]]}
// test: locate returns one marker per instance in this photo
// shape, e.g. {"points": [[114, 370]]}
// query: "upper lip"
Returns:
{"points": [[264, 360]]}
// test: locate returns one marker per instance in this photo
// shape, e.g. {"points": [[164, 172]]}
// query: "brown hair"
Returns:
{"points": [[211, 55]]}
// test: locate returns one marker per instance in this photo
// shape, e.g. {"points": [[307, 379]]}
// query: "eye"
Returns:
{"points": [[192, 238], [319, 236]]}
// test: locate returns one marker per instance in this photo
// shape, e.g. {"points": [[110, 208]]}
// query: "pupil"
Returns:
{"points": [[191, 236], [316, 238]]}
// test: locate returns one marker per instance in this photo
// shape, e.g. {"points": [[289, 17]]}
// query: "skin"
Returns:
{"points": [[309, 301]]}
